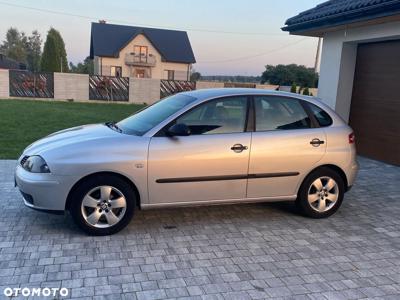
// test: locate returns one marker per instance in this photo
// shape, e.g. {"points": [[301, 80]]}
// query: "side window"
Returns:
{"points": [[322, 116], [225, 115], [280, 113]]}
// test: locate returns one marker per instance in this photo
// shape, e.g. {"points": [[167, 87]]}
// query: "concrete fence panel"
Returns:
{"points": [[209, 85], [71, 86], [144, 90], [267, 86], [4, 84]]}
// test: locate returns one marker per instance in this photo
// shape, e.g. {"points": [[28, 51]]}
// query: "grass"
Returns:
{"points": [[24, 121]]}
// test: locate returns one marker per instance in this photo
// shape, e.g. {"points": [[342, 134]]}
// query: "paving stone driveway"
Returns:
{"points": [[253, 251]]}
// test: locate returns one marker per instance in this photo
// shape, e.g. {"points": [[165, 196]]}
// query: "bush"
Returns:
{"points": [[306, 91], [293, 89], [287, 74]]}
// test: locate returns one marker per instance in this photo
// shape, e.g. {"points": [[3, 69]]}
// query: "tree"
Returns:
{"points": [[50, 61], [293, 88], [15, 45], [288, 74], [54, 58], [34, 51], [195, 76], [85, 67], [22, 48]]}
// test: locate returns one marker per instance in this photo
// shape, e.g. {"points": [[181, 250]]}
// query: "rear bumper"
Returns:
{"points": [[44, 192], [351, 174]]}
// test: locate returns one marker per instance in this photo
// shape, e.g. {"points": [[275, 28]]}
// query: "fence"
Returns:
{"points": [[28, 84], [108, 88], [82, 87], [170, 87]]}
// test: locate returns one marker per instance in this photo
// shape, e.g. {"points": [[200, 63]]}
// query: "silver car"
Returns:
{"points": [[201, 147]]}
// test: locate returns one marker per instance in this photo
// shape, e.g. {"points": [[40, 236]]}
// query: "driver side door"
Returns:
{"points": [[211, 164]]}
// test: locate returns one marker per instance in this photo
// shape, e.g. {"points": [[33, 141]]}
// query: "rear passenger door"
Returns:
{"points": [[285, 145]]}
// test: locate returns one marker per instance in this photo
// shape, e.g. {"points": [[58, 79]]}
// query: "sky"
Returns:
{"points": [[228, 37]]}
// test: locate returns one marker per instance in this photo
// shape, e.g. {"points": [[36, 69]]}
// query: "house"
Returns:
{"points": [[360, 68], [10, 64], [140, 52]]}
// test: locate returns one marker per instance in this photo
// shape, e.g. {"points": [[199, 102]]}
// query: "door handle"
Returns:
{"points": [[238, 148], [316, 142]]}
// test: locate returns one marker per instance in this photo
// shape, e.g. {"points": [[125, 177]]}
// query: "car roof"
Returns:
{"points": [[222, 92], [205, 94]]}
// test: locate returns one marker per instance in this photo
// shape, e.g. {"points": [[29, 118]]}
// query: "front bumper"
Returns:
{"points": [[43, 191]]}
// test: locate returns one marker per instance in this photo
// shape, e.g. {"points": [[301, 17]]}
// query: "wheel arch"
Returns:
{"points": [[74, 187], [334, 168]]}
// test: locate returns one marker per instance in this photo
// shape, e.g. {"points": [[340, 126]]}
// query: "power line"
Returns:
{"points": [[137, 24], [255, 55]]}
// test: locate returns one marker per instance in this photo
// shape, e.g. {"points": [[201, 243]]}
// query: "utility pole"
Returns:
{"points": [[317, 55]]}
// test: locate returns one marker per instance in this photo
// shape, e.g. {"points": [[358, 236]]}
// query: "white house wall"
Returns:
{"points": [[338, 59]]}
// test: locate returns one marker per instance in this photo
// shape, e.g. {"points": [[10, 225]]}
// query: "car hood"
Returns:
{"points": [[71, 136]]}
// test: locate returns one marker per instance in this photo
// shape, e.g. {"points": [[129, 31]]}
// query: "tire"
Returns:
{"points": [[103, 204], [319, 196]]}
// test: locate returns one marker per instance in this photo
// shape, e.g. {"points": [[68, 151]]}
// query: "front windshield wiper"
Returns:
{"points": [[113, 125]]}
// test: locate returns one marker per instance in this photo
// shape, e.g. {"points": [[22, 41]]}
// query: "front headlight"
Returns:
{"points": [[35, 164]]}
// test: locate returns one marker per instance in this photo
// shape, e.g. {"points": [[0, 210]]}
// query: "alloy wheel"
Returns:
{"points": [[103, 206], [323, 194]]}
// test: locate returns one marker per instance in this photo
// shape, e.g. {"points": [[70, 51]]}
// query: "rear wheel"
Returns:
{"points": [[103, 204], [321, 193]]}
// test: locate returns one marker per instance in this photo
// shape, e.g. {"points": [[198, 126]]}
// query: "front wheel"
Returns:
{"points": [[103, 204], [321, 193]]}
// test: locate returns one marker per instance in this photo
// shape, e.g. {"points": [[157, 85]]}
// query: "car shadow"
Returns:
{"points": [[174, 218]]}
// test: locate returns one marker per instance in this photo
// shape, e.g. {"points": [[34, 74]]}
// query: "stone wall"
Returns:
{"points": [[71, 86]]}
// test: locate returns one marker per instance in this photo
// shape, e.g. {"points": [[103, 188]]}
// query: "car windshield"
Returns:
{"points": [[148, 118]]}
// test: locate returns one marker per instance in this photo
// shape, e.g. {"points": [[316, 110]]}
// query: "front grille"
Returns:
{"points": [[23, 160]]}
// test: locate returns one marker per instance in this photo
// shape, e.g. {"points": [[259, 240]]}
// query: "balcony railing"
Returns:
{"points": [[140, 60]]}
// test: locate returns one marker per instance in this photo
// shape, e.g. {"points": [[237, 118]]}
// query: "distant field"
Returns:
{"points": [[24, 121]]}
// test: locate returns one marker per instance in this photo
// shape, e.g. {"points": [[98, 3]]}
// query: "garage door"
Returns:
{"points": [[375, 105]]}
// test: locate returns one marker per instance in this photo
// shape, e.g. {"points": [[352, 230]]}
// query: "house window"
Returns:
{"points": [[116, 71], [169, 74], [141, 52], [140, 73]]}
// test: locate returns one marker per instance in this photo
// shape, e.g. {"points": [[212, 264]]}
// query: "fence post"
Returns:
{"points": [[4, 84]]}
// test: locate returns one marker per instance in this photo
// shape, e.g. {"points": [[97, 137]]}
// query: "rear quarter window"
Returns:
{"points": [[320, 115]]}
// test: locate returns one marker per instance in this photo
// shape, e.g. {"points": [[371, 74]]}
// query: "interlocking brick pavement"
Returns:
{"points": [[251, 251]]}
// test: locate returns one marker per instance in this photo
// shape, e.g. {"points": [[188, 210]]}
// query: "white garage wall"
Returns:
{"points": [[338, 59]]}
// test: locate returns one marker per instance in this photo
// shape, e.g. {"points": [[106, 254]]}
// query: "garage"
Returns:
{"points": [[359, 73], [375, 104]]}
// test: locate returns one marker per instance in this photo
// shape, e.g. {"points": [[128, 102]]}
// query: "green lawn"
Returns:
{"points": [[24, 121]]}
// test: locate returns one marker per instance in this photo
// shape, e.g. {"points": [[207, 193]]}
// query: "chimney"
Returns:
{"points": [[102, 21]]}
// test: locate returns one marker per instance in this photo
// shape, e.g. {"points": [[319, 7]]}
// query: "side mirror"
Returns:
{"points": [[178, 130]]}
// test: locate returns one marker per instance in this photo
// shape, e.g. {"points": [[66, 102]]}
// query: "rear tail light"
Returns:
{"points": [[352, 138]]}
